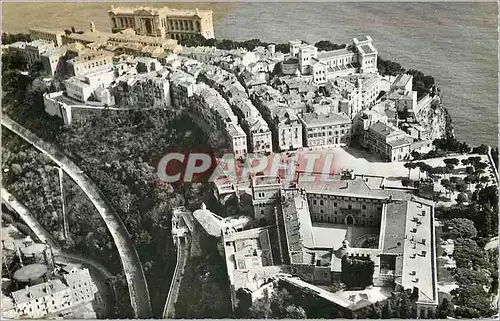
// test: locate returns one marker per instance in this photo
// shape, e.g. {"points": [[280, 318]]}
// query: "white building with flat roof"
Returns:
{"points": [[359, 57], [322, 130], [82, 87]]}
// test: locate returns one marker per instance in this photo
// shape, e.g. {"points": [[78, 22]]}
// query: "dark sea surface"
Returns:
{"points": [[454, 42]]}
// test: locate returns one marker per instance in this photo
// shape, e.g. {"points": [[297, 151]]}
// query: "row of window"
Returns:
{"points": [[338, 220], [330, 133], [345, 198]]}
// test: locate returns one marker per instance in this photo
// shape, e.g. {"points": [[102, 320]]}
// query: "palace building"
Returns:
{"points": [[315, 227], [163, 22]]}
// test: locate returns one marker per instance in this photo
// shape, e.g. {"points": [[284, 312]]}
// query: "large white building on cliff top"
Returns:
{"points": [[360, 57]]}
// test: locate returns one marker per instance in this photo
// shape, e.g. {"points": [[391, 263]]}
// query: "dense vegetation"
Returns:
{"points": [[226, 44], [325, 45], [8, 38], [278, 305], [357, 273], [33, 179], [119, 151], [204, 291], [477, 269]]}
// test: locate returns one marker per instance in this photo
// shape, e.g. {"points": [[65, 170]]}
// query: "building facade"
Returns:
{"points": [[360, 56], [163, 22], [390, 143], [53, 36], [321, 130], [34, 50], [90, 61]]}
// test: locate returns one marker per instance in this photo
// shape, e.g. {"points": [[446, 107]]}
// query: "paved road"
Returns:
{"points": [[173, 293], [138, 290]]}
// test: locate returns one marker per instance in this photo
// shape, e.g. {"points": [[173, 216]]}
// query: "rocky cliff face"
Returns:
{"points": [[433, 116]]}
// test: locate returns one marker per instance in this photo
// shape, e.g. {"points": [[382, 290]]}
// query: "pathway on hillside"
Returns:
{"points": [[173, 293], [138, 290]]}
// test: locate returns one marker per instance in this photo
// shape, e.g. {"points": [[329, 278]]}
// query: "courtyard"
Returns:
{"points": [[328, 235]]}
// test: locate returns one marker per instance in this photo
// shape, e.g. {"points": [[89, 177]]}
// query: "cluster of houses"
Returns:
{"points": [[256, 101]]}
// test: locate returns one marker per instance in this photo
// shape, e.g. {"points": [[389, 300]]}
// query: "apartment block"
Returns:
{"points": [[52, 297], [90, 61], [82, 87], [403, 95], [326, 130], [182, 88], [146, 90], [284, 123], [390, 143], [34, 49], [214, 115], [254, 125], [53, 61], [54, 36]]}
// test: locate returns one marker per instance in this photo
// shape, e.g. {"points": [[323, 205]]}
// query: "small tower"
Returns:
{"points": [[92, 27]]}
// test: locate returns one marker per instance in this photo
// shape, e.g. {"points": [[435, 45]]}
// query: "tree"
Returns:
{"points": [[462, 198], [450, 168], [460, 228], [468, 254], [409, 166], [387, 312], [446, 184], [278, 306], [357, 273], [466, 277], [294, 312], [260, 309], [404, 306], [473, 297], [481, 149], [484, 180], [325, 45], [445, 309], [387, 67], [453, 161], [376, 311], [416, 155], [407, 182]]}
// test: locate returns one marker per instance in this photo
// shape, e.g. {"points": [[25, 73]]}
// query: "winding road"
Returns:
{"points": [[138, 290]]}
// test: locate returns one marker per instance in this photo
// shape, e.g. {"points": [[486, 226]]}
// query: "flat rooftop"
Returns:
{"points": [[315, 119], [212, 225]]}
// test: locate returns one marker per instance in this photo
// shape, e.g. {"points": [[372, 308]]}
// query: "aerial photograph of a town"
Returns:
{"points": [[249, 160]]}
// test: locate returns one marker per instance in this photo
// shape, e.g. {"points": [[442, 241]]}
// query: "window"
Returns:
{"points": [[349, 206], [321, 202], [364, 207], [315, 202]]}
